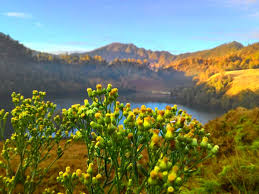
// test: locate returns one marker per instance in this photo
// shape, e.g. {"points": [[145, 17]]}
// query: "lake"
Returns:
{"points": [[152, 102], [136, 100]]}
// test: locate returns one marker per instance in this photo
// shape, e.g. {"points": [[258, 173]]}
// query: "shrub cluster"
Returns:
{"points": [[154, 151]]}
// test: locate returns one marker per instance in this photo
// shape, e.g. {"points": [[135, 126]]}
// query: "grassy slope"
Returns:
{"points": [[236, 167], [242, 80]]}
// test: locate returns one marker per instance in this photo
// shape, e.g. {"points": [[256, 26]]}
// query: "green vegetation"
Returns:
{"points": [[154, 151], [236, 167]]}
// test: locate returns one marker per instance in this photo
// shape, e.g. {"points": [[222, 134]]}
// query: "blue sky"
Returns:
{"points": [[177, 26]]}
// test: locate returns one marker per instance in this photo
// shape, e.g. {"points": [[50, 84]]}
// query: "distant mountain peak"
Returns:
{"points": [[129, 50], [233, 44]]}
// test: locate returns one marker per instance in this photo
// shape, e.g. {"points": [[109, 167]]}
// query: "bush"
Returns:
{"points": [[155, 151]]}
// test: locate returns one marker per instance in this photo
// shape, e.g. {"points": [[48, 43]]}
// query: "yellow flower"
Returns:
{"points": [[82, 115], [204, 142], [86, 176], [68, 169], [170, 189], [41, 127], [147, 123], [155, 139], [97, 115], [149, 110], [98, 87], [130, 135], [109, 86], [153, 174], [114, 91], [171, 177], [78, 172], [65, 174], [157, 169], [205, 139], [169, 127], [169, 135], [165, 173], [168, 107], [98, 176], [99, 138], [86, 102]]}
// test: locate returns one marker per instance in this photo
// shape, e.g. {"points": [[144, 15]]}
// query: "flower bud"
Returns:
{"points": [[209, 146], [215, 149], [194, 142], [152, 181], [74, 175], [109, 87], [178, 180], [90, 168], [94, 180], [89, 91], [204, 142]]}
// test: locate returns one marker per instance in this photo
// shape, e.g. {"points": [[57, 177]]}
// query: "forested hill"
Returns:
{"points": [[130, 51], [22, 70], [11, 49], [227, 57], [221, 50], [225, 81], [159, 59]]}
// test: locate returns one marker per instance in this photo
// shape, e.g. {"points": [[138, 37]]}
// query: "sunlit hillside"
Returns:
{"points": [[241, 80]]}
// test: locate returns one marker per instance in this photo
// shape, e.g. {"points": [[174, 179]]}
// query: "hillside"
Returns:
{"points": [[226, 57], [218, 51], [224, 82], [240, 80], [11, 49], [23, 70], [236, 166], [130, 51]]}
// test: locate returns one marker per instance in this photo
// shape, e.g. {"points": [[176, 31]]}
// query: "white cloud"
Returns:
{"points": [[17, 15]]}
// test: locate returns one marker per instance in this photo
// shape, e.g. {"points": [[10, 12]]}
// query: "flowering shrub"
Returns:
{"points": [[172, 142], [35, 134], [154, 151]]}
